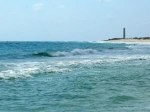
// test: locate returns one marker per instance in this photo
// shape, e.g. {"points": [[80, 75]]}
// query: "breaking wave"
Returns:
{"points": [[29, 69], [64, 54], [25, 70]]}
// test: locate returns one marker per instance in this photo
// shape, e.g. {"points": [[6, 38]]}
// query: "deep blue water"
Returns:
{"points": [[74, 77]]}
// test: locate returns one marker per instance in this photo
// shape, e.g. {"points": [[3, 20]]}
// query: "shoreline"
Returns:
{"points": [[129, 40]]}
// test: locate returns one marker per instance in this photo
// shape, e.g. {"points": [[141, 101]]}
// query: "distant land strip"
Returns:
{"points": [[135, 39]]}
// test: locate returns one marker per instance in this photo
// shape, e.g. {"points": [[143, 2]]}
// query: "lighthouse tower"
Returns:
{"points": [[124, 33]]}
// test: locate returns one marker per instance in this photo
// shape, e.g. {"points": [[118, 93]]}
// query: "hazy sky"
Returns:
{"points": [[72, 20]]}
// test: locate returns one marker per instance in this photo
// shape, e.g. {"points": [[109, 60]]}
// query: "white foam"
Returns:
{"points": [[24, 70], [98, 41], [76, 52], [102, 60], [84, 51], [29, 69]]}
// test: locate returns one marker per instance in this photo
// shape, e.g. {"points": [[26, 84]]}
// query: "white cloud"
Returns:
{"points": [[37, 6]]}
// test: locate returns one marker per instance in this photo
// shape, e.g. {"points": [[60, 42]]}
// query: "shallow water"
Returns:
{"points": [[74, 76]]}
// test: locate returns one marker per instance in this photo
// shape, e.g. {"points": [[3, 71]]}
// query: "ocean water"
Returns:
{"points": [[74, 77]]}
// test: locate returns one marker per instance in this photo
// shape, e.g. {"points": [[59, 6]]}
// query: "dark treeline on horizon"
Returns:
{"points": [[131, 38]]}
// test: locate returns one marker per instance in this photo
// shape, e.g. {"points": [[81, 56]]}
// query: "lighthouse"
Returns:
{"points": [[124, 33]]}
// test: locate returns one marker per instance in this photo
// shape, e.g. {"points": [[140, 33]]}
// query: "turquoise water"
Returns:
{"points": [[74, 77]]}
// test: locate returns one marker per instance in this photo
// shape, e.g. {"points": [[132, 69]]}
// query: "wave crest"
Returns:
{"points": [[29, 69], [64, 54]]}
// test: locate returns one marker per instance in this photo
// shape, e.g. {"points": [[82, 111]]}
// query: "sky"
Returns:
{"points": [[73, 20]]}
